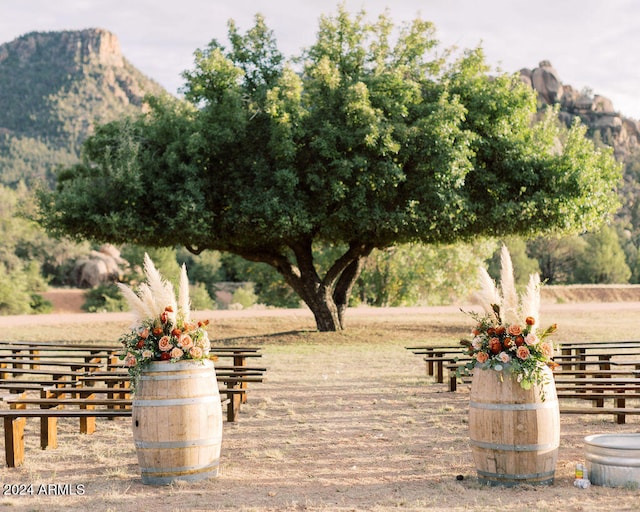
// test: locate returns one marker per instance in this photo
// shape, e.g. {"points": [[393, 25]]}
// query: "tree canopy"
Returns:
{"points": [[372, 137]]}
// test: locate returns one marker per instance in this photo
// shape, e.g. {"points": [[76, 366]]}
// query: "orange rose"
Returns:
{"points": [[157, 331], [495, 345], [482, 357], [519, 341], [530, 320], [500, 330]]}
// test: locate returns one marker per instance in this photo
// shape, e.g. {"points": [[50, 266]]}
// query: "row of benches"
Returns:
{"points": [[603, 375], [53, 380]]}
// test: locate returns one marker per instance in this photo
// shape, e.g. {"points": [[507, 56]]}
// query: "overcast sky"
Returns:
{"points": [[591, 43]]}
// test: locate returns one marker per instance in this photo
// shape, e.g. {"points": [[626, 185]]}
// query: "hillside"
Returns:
{"points": [[54, 87]]}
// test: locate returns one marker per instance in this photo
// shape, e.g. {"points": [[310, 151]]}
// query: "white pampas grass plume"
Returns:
{"points": [[161, 290], [148, 300], [508, 286], [136, 305], [531, 300], [488, 296], [184, 305]]}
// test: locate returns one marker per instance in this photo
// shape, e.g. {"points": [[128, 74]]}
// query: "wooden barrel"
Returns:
{"points": [[515, 434], [177, 422]]}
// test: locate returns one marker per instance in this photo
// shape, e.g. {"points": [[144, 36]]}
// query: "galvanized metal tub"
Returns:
{"points": [[613, 460]]}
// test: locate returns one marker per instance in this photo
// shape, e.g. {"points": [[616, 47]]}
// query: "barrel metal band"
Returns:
{"points": [[178, 376], [514, 447], [529, 476], [182, 469], [162, 402], [550, 404], [213, 441]]}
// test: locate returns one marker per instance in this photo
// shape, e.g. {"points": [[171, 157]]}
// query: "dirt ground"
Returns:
{"points": [[333, 428]]}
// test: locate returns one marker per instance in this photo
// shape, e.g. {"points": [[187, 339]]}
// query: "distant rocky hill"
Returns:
{"points": [[595, 111], [54, 86]]}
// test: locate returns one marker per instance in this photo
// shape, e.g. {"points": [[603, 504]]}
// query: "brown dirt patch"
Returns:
{"points": [[66, 300]]}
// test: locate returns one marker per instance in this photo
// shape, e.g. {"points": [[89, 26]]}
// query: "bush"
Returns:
{"points": [[105, 298]]}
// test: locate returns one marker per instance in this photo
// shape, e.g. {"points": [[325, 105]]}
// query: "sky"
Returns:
{"points": [[591, 43]]}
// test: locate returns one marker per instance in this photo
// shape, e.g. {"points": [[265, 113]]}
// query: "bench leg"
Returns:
{"points": [[453, 381], [87, 423], [14, 440], [48, 433], [620, 418], [233, 407]]}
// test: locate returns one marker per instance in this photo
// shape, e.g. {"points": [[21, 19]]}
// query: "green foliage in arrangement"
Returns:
{"points": [[377, 139]]}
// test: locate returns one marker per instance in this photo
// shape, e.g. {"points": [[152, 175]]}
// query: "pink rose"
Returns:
{"points": [[165, 344], [176, 353], [547, 349], [523, 352], [195, 352], [185, 342], [504, 357], [531, 339], [514, 330]]}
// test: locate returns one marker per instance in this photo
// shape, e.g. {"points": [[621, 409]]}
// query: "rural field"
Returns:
{"points": [[344, 421]]}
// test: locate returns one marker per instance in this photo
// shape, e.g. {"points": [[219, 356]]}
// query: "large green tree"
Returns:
{"points": [[373, 137]]}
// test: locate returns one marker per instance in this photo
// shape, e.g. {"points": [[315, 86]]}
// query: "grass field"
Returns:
{"points": [[344, 421]]}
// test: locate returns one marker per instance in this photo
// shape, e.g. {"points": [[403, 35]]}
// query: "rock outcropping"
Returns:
{"points": [[595, 111]]}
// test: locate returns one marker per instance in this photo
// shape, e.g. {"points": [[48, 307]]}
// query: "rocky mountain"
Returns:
{"points": [[595, 111], [54, 86]]}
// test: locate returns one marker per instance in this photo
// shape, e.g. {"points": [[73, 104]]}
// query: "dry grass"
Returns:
{"points": [[345, 421]]}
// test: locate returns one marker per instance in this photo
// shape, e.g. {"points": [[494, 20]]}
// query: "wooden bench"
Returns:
{"points": [[437, 357], [50, 409], [25, 356], [15, 420]]}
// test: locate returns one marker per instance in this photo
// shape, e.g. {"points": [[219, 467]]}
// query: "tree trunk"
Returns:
{"points": [[327, 297]]}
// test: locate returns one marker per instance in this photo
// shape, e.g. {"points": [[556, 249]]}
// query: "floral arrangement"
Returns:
{"points": [[506, 338], [162, 329]]}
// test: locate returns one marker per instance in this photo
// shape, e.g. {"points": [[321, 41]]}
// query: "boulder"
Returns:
{"points": [[545, 81]]}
